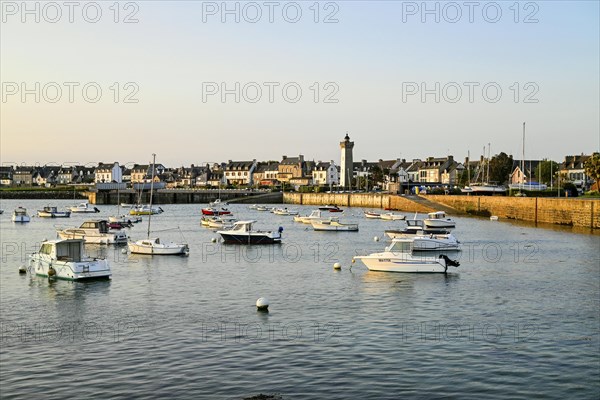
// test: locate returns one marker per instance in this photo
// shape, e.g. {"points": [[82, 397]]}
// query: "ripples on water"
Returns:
{"points": [[518, 319]]}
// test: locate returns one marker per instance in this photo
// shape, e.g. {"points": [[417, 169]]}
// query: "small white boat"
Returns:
{"points": [[242, 233], [315, 215], [438, 220], [145, 210], [392, 216], [224, 221], [263, 208], [125, 219], [372, 215], [333, 225], [494, 218], [284, 211], [94, 232], [64, 259], [52, 212], [411, 231], [156, 247], [398, 257], [20, 215], [433, 242], [83, 208]]}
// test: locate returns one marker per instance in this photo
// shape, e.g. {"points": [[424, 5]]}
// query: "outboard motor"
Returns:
{"points": [[449, 262], [280, 230], [96, 210]]}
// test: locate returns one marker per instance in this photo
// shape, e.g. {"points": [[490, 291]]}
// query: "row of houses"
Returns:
{"points": [[289, 171]]}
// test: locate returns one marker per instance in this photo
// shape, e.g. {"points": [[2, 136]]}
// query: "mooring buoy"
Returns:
{"points": [[262, 304], [337, 266]]}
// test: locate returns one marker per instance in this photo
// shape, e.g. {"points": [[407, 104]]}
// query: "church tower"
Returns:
{"points": [[346, 164]]}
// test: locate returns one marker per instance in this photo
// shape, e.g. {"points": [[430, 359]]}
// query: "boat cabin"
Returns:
{"points": [[315, 214], [50, 209], [437, 215], [414, 223], [70, 250], [20, 212], [400, 246], [100, 225], [243, 226]]}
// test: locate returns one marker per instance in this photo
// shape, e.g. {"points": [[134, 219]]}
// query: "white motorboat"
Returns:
{"points": [[20, 215], [314, 215], [284, 211], [433, 242], [485, 189], [154, 246], [145, 210], [398, 257], [83, 208], [52, 212], [224, 221], [242, 233], [411, 231], [94, 232], [263, 208], [494, 218], [392, 216], [64, 259], [372, 215], [438, 220], [125, 219], [333, 225]]}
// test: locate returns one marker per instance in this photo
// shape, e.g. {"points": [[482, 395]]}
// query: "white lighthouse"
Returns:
{"points": [[346, 169]]}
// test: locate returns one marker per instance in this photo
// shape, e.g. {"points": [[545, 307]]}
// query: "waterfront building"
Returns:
{"points": [[107, 173]]}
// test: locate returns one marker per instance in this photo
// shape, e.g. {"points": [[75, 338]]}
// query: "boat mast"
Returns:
{"points": [[468, 167], [151, 191], [488, 162], [523, 158]]}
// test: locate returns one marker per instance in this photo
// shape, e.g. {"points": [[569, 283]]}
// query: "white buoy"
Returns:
{"points": [[337, 266], [214, 240], [376, 239], [262, 304]]}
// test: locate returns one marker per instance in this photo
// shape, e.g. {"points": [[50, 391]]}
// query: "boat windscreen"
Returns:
{"points": [[69, 251]]}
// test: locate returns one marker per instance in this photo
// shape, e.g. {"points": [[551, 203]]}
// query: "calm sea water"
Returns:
{"points": [[518, 319]]}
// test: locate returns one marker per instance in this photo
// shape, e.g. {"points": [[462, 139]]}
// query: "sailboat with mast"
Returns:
{"points": [[155, 246], [484, 186], [530, 185]]}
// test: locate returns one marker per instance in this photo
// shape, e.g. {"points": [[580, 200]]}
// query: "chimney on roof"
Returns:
{"points": [[284, 157], [450, 158], [301, 158]]}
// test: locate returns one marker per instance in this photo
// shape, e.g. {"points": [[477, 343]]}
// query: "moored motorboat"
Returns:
{"points": [[20, 215], [372, 215], [392, 216], [333, 225], [330, 208], [284, 211], [438, 220], [242, 233], [84, 208], [145, 210], [94, 232], [314, 215], [52, 212], [398, 257], [411, 231], [64, 259]]}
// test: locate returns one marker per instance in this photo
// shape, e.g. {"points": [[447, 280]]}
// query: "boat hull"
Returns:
{"points": [[21, 218], [206, 211], [58, 214], [334, 227], [439, 223], [73, 271], [405, 263], [252, 238], [167, 250]]}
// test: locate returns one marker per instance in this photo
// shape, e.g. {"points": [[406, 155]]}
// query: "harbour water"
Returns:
{"points": [[518, 319]]}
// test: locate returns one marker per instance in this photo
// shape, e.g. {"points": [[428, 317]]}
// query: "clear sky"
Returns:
{"points": [[375, 58]]}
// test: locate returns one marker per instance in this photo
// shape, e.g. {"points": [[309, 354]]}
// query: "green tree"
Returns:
{"points": [[376, 174], [546, 171], [500, 168], [592, 167]]}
